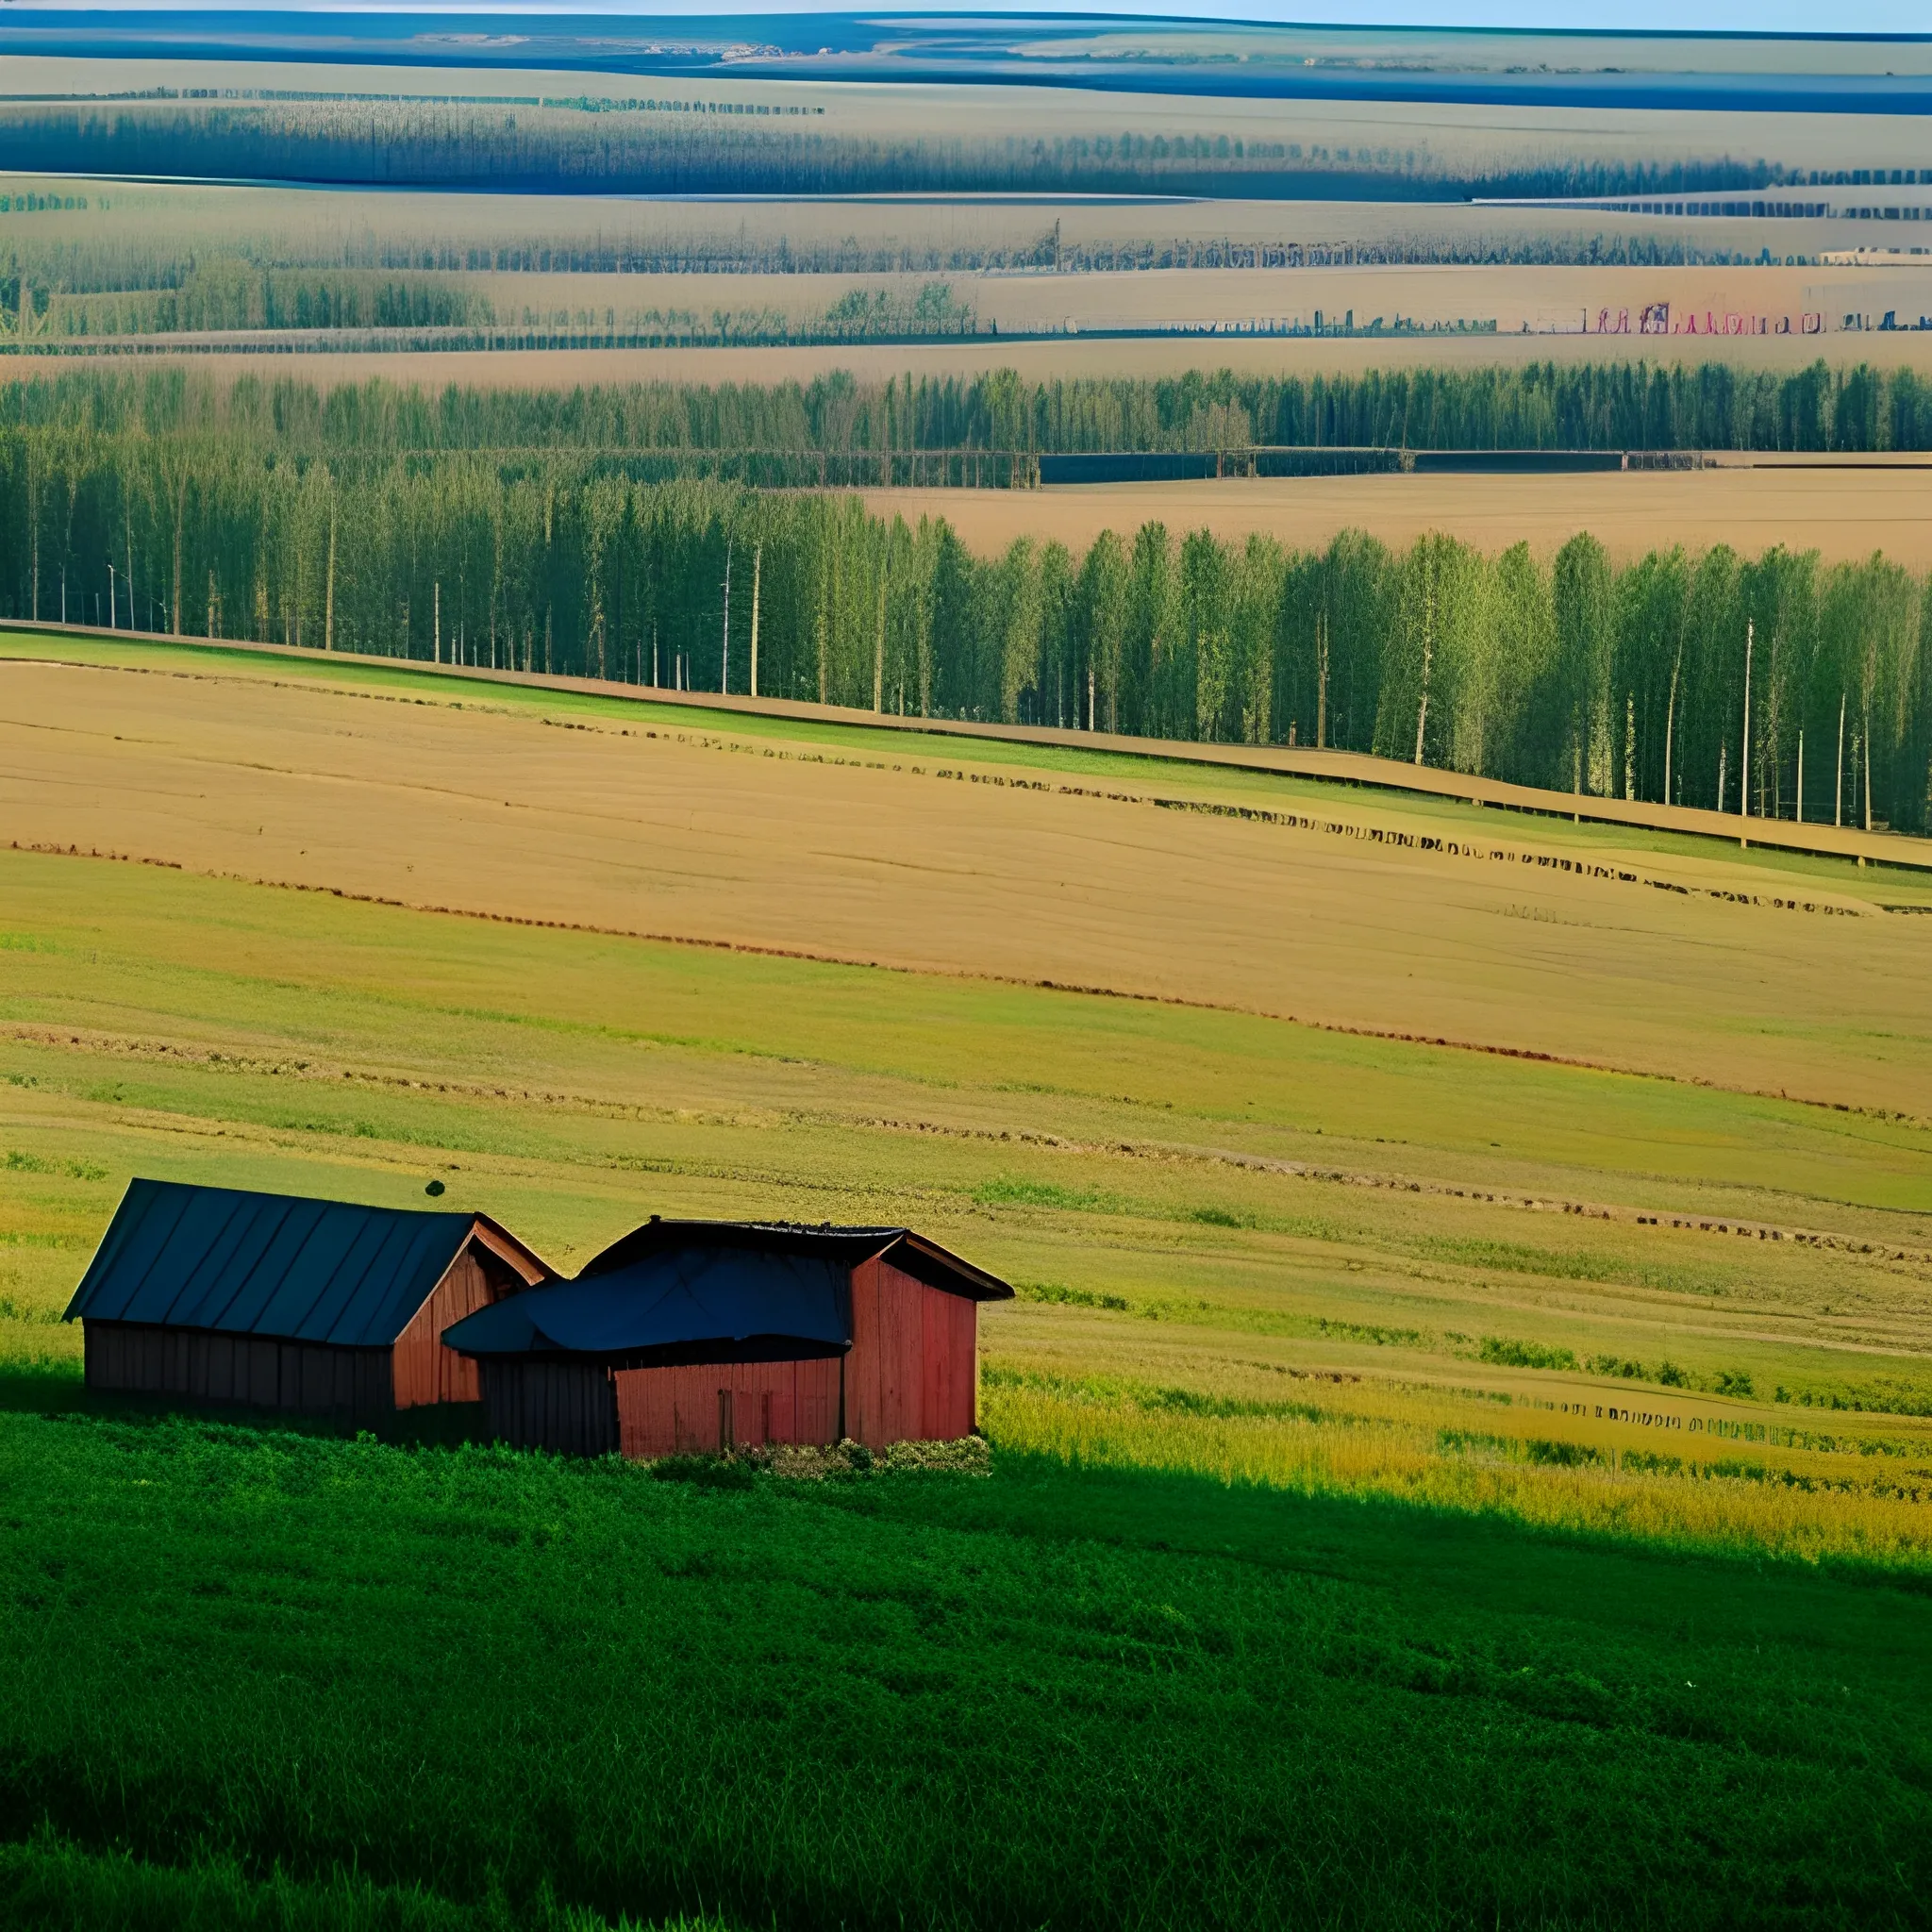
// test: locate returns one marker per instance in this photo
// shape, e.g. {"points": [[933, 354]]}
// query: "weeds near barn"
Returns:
{"points": [[1435, 1449]]}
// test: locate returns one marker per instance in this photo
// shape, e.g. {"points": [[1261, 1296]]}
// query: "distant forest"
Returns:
{"points": [[679, 145], [385, 524], [654, 430], [310, 282]]}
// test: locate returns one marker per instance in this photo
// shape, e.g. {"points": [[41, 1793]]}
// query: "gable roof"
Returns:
{"points": [[675, 1292], [913, 1253], [280, 1266]]}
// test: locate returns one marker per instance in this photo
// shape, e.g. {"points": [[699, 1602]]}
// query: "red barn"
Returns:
{"points": [[703, 1336], [278, 1301]]}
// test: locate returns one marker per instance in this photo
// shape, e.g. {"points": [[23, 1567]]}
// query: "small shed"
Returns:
{"points": [[701, 1336], [279, 1301]]}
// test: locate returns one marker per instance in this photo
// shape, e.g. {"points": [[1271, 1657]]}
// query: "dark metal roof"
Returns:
{"points": [[696, 1304], [279, 1266], [711, 1291], [915, 1254]]}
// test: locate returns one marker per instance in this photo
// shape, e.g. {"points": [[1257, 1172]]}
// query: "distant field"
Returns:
{"points": [[1543, 302], [1844, 514], [306, 225], [1037, 136], [1539, 300], [1151, 357]]}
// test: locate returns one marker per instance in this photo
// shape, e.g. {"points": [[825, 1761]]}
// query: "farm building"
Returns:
{"points": [[704, 1336], [276, 1301]]}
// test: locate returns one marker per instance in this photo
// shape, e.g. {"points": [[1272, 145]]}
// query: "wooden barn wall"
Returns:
{"points": [[306, 1378], [567, 1406], [427, 1372], [703, 1411], [913, 1374]]}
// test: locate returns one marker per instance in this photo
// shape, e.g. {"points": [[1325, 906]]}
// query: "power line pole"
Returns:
{"points": [[1744, 748], [757, 557], [1838, 797], [1744, 754]]}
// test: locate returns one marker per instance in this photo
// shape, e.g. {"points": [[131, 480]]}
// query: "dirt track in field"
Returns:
{"points": [[678, 836], [1844, 514]]}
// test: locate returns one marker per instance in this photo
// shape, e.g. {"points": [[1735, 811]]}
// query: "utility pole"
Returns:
{"points": [[328, 602], [1321, 680], [1744, 748], [1745, 754], [110, 593], [1670, 723], [725, 649], [436, 640], [758, 558], [1798, 809], [1838, 795], [1422, 713]]}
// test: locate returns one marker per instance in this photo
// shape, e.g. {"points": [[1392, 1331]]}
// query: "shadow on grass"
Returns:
{"points": [[40, 1388], [57, 1389]]}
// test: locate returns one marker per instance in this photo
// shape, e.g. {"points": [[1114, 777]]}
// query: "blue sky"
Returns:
{"points": [[1639, 16]]}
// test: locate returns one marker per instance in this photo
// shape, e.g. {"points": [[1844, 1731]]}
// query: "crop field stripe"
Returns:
{"points": [[1443, 1042], [1333, 767]]}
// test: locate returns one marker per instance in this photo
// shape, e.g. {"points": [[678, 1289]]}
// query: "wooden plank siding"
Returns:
{"points": [[913, 1373], [569, 1406], [305, 1378], [424, 1370], [706, 1410]]}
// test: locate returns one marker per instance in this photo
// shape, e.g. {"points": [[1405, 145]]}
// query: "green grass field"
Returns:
{"points": [[503, 1690], [1423, 1491]]}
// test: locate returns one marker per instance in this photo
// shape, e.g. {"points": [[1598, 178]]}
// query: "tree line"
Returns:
{"points": [[316, 279], [1613, 406], [658, 146], [1777, 684]]}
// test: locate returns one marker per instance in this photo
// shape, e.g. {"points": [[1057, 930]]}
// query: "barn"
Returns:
{"points": [[281, 1302], [701, 1337]]}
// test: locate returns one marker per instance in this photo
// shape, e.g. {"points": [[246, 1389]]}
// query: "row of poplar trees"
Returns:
{"points": [[1642, 406], [1775, 684]]}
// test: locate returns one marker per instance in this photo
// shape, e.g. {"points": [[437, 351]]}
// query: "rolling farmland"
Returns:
{"points": [[1324, 1320], [1459, 1451]]}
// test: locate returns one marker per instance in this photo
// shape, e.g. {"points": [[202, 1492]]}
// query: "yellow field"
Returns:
{"points": [[1548, 302], [1036, 361], [299, 224], [1844, 514], [713, 831], [1675, 1304]]}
